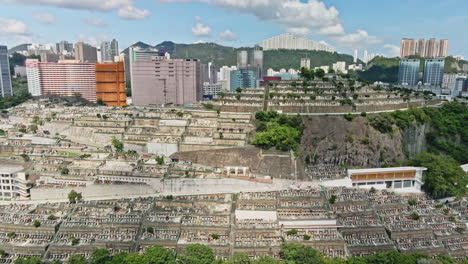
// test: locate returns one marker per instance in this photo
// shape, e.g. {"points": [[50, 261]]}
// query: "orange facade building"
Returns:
{"points": [[110, 84]]}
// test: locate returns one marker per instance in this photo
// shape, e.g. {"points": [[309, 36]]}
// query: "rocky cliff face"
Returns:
{"points": [[329, 145], [415, 138], [332, 140]]}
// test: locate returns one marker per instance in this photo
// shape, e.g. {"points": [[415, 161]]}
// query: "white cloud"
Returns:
{"points": [[102, 5], [228, 35], [133, 13], [95, 22], [14, 31], [302, 18], [360, 39], [199, 42], [299, 31], [126, 8], [393, 51], [92, 40], [200, 30], [12, 26], [46, 18]]}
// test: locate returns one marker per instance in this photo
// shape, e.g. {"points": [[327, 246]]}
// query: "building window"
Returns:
{"points": [[407, 184], [397, 185]]}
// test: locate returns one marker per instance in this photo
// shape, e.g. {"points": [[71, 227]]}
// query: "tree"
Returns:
{"points": [[134, 258], [100, 256], [74, 197], [240, 258], [76, 259], [36, 223], [160, 160], [28, 260], [197, 254], [117, 144], [158, 254], [300, 254], [292, 232], [266, 260], [443, 177], [100, 101], [64, 170], [75, 241], [320, 73]]}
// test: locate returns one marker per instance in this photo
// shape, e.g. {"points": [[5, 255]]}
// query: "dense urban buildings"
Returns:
{"points": [[64, 47], [407, 48], [305, 63], [291, 42], [33, 76], [5, 78], [431, 48], [157, 80], [19, 71], [460, 85], [110, 84], [408, 73], [448, 81], [251, 61], [243, 79], [85, 53], [433, 72], [340, 66], [242, 58], [109, 49]]}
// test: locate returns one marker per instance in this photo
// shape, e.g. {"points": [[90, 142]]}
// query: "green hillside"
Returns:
{"points": [[206, 52], [382, 69], [223, 55], [278, 59]]}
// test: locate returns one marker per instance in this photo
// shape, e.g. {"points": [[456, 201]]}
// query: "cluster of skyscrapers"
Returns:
{"points": [[433, 73], [431, 48], [80, 51]]}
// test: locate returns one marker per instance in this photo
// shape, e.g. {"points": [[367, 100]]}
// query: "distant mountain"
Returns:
{"points": [[138, 44], [22, 47], [167, 46], [223, 55]]}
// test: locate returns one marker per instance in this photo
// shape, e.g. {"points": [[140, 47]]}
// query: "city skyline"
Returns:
{"points": [[343, 25]]}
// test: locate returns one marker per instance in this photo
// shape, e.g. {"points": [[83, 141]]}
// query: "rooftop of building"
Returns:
{"points": [[394, 169], [10, 168]]}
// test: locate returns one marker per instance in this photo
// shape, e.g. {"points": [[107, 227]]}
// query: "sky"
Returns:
{"points": [[374, 25]]}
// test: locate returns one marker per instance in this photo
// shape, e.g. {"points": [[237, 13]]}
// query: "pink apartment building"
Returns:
{"points": [[66, 79], [158, 80]]}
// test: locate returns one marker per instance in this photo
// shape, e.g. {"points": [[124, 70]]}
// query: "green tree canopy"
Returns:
{"points": [[293, 253], [443, 178], [197, 254]]}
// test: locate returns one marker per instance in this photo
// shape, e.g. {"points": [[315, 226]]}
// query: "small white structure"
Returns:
{"points": [[13, 182], [399, 179]]}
